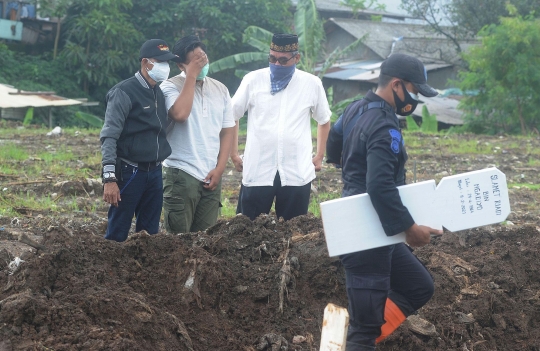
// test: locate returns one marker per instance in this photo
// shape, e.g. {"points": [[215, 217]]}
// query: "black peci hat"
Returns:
{"points": [[156, 49], [410, 69], [282, 42]]}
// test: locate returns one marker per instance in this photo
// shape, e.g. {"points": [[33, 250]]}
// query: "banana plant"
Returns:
{"points": [[310, 30]]}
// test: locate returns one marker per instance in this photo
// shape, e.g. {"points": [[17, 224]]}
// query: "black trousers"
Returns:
{"points": [[291, 201], [374, 275]]}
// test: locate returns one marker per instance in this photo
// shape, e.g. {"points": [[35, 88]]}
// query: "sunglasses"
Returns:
{"points": [[282, 60]]}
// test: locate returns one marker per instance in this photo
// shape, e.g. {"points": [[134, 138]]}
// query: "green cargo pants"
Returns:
{"points": [[187, 205]]}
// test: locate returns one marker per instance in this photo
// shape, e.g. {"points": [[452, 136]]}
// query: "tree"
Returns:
{"points": [[505, 70], [219, 23], [309, 28], [58, 9], [101, 41], [459, 20], [360, 5], [438, 14], [474, 15]]}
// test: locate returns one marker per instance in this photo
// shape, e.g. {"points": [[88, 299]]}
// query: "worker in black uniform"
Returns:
{"points": [[385, 284]]}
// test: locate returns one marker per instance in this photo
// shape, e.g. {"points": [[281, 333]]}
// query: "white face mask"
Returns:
{"points": [[160, 71], [414, 96]]}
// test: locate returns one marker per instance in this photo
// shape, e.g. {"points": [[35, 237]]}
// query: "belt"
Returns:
{"points": [[144, 166], [148, 166]]}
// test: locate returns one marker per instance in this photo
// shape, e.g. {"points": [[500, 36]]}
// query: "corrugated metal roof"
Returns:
{"points": [[338, 6], [445, 109], [344, 74], [8, 100], [416, 40], [367, 70]]}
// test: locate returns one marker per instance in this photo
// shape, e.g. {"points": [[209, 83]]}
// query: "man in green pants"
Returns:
{"points": [[200, 135]]}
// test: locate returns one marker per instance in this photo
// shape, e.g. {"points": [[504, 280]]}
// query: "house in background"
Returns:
{"points": [[336, 9], [359, 71], [20, 21], [14, 103]]}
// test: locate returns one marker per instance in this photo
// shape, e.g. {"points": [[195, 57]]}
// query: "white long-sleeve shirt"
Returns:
{"points": [[279, 129]]}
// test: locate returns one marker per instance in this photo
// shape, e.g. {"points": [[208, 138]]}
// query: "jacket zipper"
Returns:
{"points": [[160, 126]]}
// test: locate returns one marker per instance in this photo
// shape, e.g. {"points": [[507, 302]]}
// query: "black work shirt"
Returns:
{"points": [[373, 161]]}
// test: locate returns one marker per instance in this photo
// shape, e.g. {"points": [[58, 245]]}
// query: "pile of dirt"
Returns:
{"points": [[244, 285]]}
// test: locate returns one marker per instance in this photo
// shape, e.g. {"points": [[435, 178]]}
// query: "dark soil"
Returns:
{"points": [[220, 290]]}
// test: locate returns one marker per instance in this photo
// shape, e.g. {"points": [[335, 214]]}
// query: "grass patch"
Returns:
{"points": [[316, 199], [9, 204], [533, 162], [419, 145], [18, 132], [55, 156], [229, 209], [12, 152], [524, 185]]}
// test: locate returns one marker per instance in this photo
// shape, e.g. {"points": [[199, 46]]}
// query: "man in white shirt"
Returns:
{"points": [[200, 136], [278, 161]]}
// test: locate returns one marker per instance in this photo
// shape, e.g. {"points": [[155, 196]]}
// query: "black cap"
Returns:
{"points": [[282, 42], [410, 69], [156, 49]]}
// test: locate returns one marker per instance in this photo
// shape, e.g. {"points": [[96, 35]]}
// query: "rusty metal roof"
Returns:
{"points": [[14, 98]]}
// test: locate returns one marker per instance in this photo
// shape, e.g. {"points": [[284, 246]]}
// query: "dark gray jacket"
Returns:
{"points": [[135, 123]]}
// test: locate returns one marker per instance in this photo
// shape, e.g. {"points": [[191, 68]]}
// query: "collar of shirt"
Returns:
{"points": [[199, 82], [143, 81]]}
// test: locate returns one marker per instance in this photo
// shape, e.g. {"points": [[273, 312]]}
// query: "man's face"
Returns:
{"points": [[397, 87], [283, 58], [148, 63], [194, 53]]}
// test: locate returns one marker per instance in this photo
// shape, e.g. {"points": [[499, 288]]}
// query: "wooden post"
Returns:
{"points": [[334, 330], [51, 122]]}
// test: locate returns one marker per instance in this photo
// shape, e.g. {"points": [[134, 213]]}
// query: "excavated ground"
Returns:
{"points": [[246, 285], [249, 286]]}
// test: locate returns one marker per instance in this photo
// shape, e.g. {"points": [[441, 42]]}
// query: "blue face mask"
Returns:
{"points": [[204, 72], [280, 76], [279, 72]]}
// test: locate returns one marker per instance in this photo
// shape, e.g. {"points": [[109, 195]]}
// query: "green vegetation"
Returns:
{"points": [[99, 43], [310, 29], [524, 185], [505, 70], [429, 123], [11, 152], [316, 199], [461, 19], [448, 145]]}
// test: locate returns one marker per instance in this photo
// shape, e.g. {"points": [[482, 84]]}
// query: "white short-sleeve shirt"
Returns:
{"points": [[279, 129], [195, 143]]}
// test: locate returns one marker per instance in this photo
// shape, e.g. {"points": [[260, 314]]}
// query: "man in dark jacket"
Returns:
{"points": [[386, 284], [133, 144]]}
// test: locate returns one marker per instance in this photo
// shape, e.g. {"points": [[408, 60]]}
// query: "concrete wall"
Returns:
{"points": [[439, 78]]}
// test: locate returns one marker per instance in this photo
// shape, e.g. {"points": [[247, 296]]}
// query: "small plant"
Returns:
{"points": [[429, 123]]}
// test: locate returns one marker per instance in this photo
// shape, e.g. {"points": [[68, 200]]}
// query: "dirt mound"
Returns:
{"points": [[246, 285]]}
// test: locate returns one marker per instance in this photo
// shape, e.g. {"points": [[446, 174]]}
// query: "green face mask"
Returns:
{"points": [[204, 72]]}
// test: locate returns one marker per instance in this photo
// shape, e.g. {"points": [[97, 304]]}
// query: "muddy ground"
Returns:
{"points": [[245, 285]]}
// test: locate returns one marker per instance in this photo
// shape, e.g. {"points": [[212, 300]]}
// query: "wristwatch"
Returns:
{"points": [[109, 177]]}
